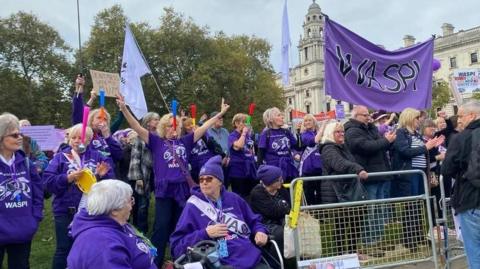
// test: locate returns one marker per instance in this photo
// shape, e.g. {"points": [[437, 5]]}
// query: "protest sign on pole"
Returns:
{"points": [[108, 81]]}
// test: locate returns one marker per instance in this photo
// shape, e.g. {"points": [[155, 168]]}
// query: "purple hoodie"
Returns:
{"points": [[109, 147], [191, 228], [55, 178], [21, 201], [242, 162], [278, 144], [311, 159], [101, 242], [170, 180]]}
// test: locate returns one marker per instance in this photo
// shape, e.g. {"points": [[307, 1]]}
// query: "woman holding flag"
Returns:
{"points": [[170, 160]]}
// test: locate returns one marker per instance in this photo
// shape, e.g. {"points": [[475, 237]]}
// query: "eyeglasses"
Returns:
{"points": [[14, 135], [339, 132], [207, 179], [365, 115]]}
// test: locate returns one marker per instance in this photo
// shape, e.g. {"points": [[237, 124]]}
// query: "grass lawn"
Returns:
{"points": [[43, 245]]}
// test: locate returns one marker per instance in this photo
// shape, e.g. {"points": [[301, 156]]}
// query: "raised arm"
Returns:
{"points": [[134, 124], [200, 131]]}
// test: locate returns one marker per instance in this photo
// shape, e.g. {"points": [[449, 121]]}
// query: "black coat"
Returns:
{"points": [[466, 193], [272, 208], [336, 160], [403, 153], [367, 146]]}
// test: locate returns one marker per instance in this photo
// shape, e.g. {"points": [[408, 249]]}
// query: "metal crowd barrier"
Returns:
{"points": [[452, 245], [379, 233]]}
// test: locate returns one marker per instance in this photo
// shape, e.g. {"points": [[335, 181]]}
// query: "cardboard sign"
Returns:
{"points": [[47, 137], [110, 82]]}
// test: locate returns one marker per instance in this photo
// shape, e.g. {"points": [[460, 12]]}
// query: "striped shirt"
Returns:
{"points": [[419, 161]]}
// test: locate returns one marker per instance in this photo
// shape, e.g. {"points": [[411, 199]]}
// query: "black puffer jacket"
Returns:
{"points": [[272, 208], [336, 160], [367, 146], [466, 193]]}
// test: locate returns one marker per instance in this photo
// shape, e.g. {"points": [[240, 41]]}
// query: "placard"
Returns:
{"points": [[110, 82]]}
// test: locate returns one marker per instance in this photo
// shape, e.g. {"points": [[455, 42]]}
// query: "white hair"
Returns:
{"points": [[108, 195], [268, 116], [8, 122], [472, 106]]}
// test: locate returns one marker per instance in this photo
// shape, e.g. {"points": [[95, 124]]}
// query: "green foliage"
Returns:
{"points": [[476, 95], [188, 62], [440, 96]]}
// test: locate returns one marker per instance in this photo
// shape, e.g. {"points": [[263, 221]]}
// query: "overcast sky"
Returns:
{"points": [[380, 21]]}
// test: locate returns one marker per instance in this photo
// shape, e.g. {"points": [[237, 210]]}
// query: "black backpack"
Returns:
{"points": [[473, 170]]}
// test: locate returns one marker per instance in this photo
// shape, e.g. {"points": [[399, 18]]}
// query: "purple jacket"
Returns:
{"points": [[21, 201], [278, 145], [170, 179], [101, 242], [55, 178], [199, 155], [109, 147], [311, 162], [191, 228], [242, 162]]}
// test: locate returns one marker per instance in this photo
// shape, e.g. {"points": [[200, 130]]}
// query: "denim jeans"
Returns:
{"points": [[140, 211], [64, 241], [18, 255], [167, 213], [377, 213], [470, 226]]}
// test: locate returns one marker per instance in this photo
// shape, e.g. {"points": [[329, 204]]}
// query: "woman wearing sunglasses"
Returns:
{"points": [[21, 196], [170, 162], [213, 213]]}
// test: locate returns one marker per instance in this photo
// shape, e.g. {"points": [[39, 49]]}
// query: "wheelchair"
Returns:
{"points": [[203, 250]]}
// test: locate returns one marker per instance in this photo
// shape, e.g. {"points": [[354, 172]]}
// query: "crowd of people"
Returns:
{"points": [[212, 184]]}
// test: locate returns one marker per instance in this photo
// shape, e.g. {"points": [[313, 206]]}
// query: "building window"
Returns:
{"points": [[328, 106], [307, 107], [314, 17], [307, 93], [305, 51], [289, 101], [305, 71], [473, 58], [453, 62], [350, 107]]}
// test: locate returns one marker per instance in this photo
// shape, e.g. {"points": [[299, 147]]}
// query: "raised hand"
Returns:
{"points": [[102, 169]]}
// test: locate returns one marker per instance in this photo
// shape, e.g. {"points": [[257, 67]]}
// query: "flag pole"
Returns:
{"points": [[151, 73], [79, 38]]}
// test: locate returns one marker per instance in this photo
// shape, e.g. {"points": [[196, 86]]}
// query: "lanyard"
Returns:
{"points": [[79, 161], [219, 207], [13, 172]]}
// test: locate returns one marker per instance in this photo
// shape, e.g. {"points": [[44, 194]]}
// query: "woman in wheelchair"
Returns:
{"points": [[212, 212]]}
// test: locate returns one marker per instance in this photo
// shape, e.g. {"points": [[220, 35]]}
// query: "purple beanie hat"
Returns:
{"points": [[213, 167], [268, 174]]}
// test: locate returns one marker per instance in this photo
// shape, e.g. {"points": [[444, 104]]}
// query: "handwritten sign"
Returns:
{"points": [[110, 82], [47, 136]]}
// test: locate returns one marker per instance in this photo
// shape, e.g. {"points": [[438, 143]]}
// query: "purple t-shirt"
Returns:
{"points": [[170, 180], [278, 144], [200, 154], [242, 162]]}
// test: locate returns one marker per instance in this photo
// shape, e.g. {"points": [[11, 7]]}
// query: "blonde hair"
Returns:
{"points": [[164, 122], [238, 118], [407, 118], [268, 116], [308, 116], [77, 129], [94, 113], [8, 122], [329, 132]]}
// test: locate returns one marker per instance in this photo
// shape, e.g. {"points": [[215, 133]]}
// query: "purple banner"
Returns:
{"points": [[359, 72], [47, 137]]}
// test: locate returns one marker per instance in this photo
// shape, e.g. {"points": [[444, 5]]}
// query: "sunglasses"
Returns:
{"points": [[14, 135], [207, 179]]}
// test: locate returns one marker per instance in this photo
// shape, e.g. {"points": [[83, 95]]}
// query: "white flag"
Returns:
{"points": [[133, 68]]}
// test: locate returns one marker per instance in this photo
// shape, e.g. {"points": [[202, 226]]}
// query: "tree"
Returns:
{"points": [[34, 70], [440, 96]]}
